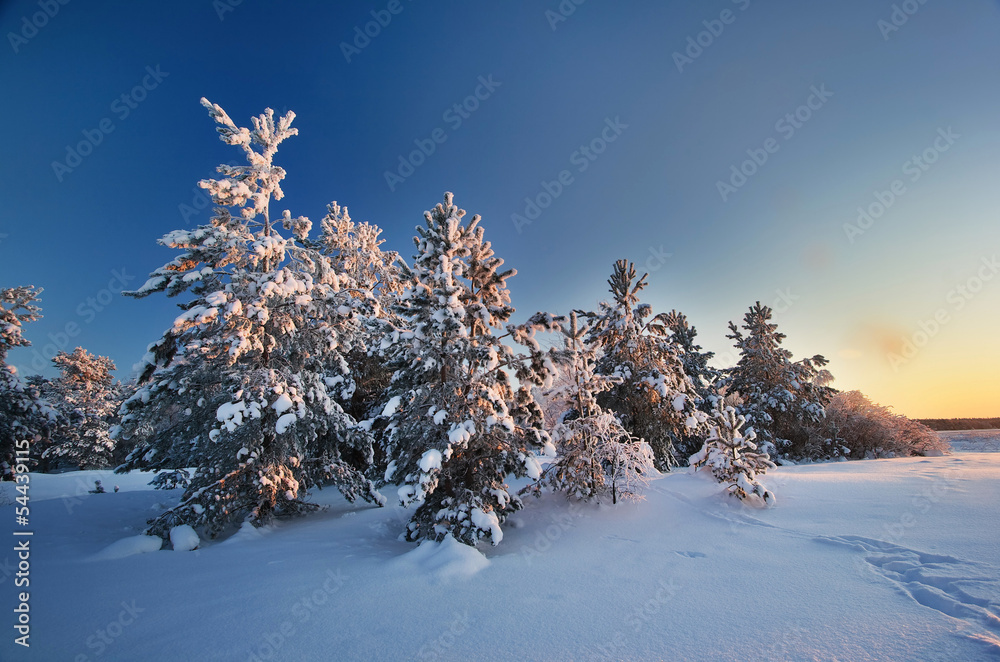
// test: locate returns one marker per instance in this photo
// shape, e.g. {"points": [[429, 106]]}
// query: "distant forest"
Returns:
{"points": [[961, 423]]}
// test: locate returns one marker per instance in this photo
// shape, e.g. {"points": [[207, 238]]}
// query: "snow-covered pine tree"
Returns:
{"points": [[695, 360], [782, 399], [355, 254], [703, 376], [655, 400], [241, 386], [23, 414], [733, 457], [87, 399], [596, 455], [456, 425]]}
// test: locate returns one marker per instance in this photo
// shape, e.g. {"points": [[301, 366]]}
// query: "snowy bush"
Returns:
{"points": [[867, 429], [733, 458], [597, 456]]}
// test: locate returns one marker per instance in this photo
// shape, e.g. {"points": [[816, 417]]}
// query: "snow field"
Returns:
{"points": [[876, 560]]}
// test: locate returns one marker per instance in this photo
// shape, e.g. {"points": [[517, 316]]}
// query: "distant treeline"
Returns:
{"points": [[961, 423]]}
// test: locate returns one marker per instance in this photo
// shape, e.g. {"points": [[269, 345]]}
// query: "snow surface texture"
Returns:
{"points": [[894, 559], [973, 440]]}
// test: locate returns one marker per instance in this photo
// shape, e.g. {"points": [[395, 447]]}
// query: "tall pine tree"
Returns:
{"points": [[456, 424], [87, 399], [655, 399], [244, 386], [703, 377], [375, 277], [24, 416], [781, 399]]}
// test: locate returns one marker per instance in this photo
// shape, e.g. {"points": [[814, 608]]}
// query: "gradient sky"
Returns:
{"points": [[779, 238]]}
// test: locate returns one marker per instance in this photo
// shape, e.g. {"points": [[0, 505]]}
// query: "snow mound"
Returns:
{"points": [[183, 538], [445, 560], [128, 547], [246, 533]]}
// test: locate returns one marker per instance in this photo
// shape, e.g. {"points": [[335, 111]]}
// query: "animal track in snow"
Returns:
{"points": [[964, 590]]}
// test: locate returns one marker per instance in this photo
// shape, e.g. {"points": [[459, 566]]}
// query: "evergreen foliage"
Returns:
{"points": [[733, 457], [245, 385], [655, 400], [87, 399], [782, 400], [596, 455], [24, 415], [456, 424]]}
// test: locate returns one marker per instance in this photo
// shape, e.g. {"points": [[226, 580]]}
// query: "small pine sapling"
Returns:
{"points": [[733, 457]]}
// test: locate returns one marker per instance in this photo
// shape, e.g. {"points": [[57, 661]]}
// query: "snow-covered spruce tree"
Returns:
{"points": [[703, 376], [655, 400], [456, 425], [596, 455], [241, 387], [733, 458], [87, 399], [782, 399], [23, 414]]}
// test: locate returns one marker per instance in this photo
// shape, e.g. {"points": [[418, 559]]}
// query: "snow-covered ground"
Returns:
{"points": [[895, 559]]}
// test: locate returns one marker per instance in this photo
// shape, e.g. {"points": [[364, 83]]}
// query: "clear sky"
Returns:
{"points": [[645, 110]]}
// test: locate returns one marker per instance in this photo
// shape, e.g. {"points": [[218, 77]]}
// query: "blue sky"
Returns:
{"points": [[867, 300]]}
